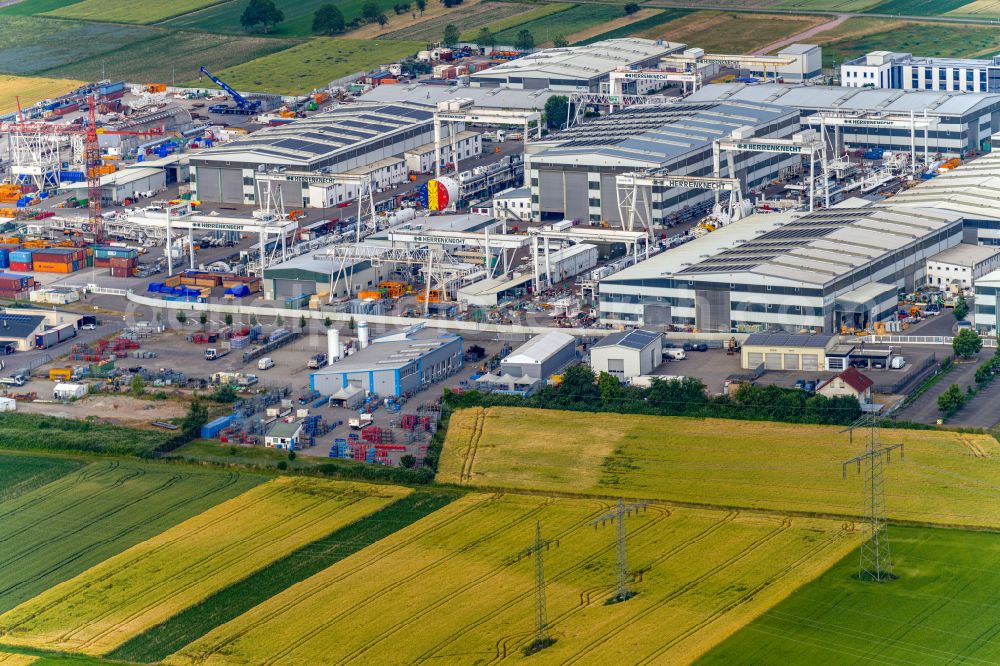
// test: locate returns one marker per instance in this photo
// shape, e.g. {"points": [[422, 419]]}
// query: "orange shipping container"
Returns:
{"points": [[375, 295], [52, 267]]}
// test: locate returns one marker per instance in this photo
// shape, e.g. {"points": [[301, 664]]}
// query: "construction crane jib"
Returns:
{"points": [[635, 190], [911, 122], [807, 143], [365, 198]]}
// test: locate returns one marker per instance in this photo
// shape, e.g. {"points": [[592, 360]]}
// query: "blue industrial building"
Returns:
{"points": [[394, 364]]}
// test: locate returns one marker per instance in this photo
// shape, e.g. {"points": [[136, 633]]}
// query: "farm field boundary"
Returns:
{"points": [[451, 583], [63, 528], [20, 474], [160, 641], [770, 466], [152, 581]]}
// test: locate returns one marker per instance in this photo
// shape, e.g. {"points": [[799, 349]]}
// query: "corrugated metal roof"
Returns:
{"points": [[541, 348]]}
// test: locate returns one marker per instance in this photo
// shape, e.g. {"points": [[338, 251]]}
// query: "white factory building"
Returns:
{"points": [[965, 121], [972, 189], [959, 267], [987, 303], [377, 140], [512, 204], [627, 354], [814, 272], [572, 176], [903, 71], [577, 68]]}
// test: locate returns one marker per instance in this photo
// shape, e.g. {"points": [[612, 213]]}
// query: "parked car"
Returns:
{"points": [[700, 347], [810, 386], [88, 327], [800, 384], [674, 354], [265, 363]]}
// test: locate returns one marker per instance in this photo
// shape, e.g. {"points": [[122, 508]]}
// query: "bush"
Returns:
{"points": [[224, 394], [967, 343], [952, 400]]}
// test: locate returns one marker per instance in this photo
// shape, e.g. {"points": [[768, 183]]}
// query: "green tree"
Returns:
{"points": [[961, 310], [524, 41], [421, 5], [631, 8], [560, 42], [182, 318], [610, 388], [351, 324], [451, 34], [328, 20], [485, 37], [228, 319], [967, 343], [282, 465], [292, 455], [261, 15], [203, 319], [408, 461], [951, 400], [197, 416], [138, 387], [556, 109], [302, 322], [370, 12], [327, 322], [224, 394]]}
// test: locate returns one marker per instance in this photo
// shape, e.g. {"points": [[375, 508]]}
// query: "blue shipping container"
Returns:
{"points": [[213, 428], [23, 256]]}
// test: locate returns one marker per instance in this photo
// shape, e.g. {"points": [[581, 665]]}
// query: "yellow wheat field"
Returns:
{"points": [[14, 659], [945, 478], [449, 589], [30, 89], [152, 581]]}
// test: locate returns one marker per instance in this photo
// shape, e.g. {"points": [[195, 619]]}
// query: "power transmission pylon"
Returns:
{"points": [[542, 639], [618, 515], [876, 557]]}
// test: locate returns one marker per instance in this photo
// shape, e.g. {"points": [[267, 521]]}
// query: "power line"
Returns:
{"points": [[876, 556], [618, 515], [542, 639]]}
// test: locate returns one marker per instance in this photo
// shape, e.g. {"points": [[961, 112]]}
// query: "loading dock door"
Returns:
{"points": [[232, 185], [810, 362], [209, 187], [550, 188], [576, 196], [284, 288]]}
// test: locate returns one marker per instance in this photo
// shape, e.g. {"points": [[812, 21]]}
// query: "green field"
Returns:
{"points": [[927, 39], [21, 474], [31, 431], [759, 465], [315, 63], [32, 7], [31, 45], [61, 529], [941, 610], [173, 57], [721, 32], [154, 580], [225, 17], [228, 604], [979, 9], [918, 7], [547, 28], [640, 27], [129, 11], [826, 5]]}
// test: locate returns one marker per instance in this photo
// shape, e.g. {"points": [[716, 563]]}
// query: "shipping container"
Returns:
{"points": [[9, 280], [20, 266], [54, 267]]}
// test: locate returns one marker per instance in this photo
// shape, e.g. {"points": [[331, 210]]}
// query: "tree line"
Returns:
{"points": [[582, 391]]}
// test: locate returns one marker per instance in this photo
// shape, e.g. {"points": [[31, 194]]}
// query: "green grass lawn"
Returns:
{"points": [[227, 604], [225, 17], [35, 432], [315, 63], [564, 23], [65, 527], [827, 5], [210, 450], [941, 610], [20, 473]]}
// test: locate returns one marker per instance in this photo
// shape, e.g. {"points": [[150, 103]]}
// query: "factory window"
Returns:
{"points": [[248, 181]]}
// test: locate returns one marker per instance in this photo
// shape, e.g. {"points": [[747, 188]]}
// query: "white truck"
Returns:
{"points": [[265, 363], [361, 421]]}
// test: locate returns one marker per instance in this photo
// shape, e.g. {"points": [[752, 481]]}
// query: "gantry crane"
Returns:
{"points": [[91, 152]]}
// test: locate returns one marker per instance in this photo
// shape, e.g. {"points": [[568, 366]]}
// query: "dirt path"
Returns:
{"points": [[804, 35]]}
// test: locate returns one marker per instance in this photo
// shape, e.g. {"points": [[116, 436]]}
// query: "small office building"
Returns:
{"points": [[283, 435], [959, 267], [786, 351], [541, 357], [987, 302], [627, 354]]}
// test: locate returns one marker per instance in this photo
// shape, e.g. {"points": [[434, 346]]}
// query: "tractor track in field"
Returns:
{"points": [[429, 654], [465, 476], [283, 608], [231, 479], [743, 598], [533, 513], [680, 591]]}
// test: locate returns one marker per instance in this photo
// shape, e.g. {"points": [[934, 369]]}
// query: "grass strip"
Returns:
{"points": [[231, 602], [637, 27]]}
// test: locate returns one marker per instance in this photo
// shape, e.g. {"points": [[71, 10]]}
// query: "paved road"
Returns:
{"points": [[925, 409], [981, 411]]}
